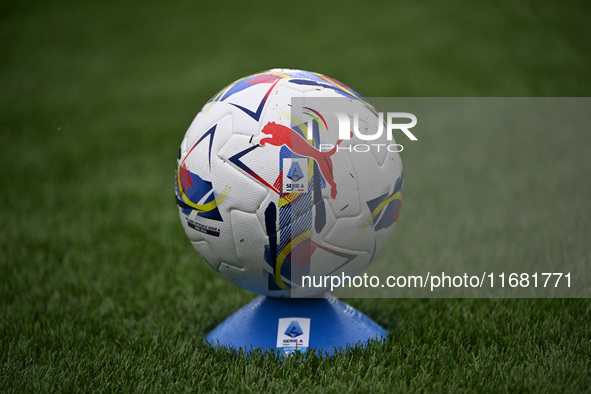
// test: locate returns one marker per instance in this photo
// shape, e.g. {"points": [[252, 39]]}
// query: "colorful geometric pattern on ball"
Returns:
{"points": [[294, 224]]}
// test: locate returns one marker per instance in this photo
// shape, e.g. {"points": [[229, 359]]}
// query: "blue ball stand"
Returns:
{"points": [[325, 325]]}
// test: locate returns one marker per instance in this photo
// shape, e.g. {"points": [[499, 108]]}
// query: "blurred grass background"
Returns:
{"points": [[99, 287]]}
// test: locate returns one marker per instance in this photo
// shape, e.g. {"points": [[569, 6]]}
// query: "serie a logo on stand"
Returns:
{"points": [[293, 333]]}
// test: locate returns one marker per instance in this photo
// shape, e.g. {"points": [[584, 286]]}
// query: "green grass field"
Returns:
{"points": [[101, 290]]}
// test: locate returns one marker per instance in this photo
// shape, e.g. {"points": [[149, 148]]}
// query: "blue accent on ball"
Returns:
{"points": [[271, 285], [334, 325], [324, 84], [195, 193], [385, 218]]}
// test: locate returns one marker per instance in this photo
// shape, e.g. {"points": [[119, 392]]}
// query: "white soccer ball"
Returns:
{"points": [[268, 194]]}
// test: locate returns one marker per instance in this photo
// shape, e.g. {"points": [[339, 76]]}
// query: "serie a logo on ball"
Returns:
{"points": [[268, 193]]}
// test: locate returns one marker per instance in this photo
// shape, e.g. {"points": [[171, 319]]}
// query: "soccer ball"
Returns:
{"points": [[270, 194]]}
